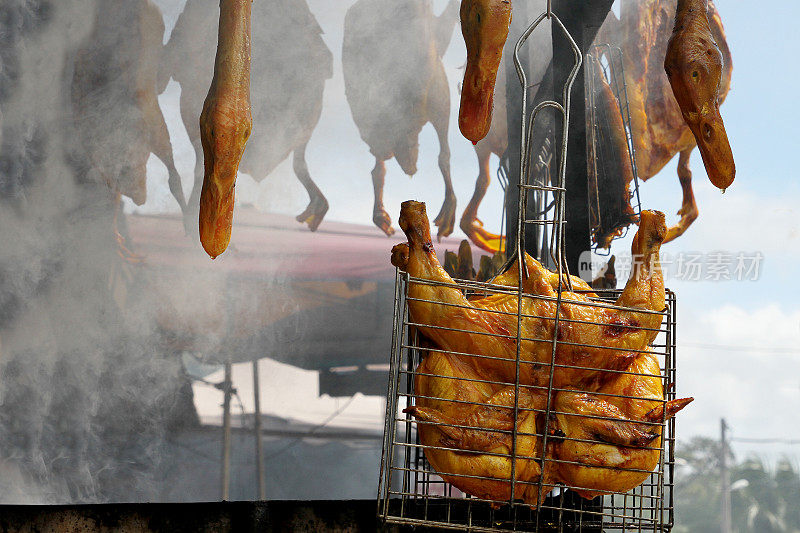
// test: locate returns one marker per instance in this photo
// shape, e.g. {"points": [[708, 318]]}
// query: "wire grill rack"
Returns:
{"points": [[601, 160], [525, 433], [412, 492]]}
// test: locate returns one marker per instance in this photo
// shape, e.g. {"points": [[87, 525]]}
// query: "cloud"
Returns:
{"points": [[766, 328], [744, 365]]}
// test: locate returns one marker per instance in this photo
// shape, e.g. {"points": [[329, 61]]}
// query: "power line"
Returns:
{"points": [[765, 440], [729, 347], [313, 430]]}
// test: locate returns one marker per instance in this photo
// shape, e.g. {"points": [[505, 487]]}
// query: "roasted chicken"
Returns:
{"points": [[488, 326], [694, 64], [468, 424], [484, 24], [225, 125], [610, 439], [607, 406]]}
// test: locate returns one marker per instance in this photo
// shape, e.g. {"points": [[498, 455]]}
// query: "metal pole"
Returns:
{"points": [[226, 432], [583, 22], [262, 488], [725, 526]]}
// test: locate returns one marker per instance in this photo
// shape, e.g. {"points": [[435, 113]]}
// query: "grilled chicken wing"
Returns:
{"points": [[488, 326], [484, 24], [694, 65], [225, 125], [611, 438], [466, 426]]}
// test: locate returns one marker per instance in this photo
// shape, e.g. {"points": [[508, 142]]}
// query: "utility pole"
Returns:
{"points": [[725, 526]]}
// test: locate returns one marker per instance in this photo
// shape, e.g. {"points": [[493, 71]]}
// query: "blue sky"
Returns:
{"points": [[752, 375]]}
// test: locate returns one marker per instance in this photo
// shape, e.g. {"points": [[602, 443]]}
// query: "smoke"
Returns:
{"points": [[92, 384], [92, 387], [85, 404]]}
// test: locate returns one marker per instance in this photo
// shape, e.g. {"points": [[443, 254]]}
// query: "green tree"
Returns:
{"points": [[764, 501], [769, 501], [697, 481]]}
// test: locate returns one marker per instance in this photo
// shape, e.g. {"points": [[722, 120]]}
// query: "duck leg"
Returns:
{"points": [[123, 251], [379, 215], [688, 210], [470, 223], [440, 119], [317, 205]]}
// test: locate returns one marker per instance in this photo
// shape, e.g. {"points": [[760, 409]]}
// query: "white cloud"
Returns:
{"points": [[743, 365], [767, 327]]}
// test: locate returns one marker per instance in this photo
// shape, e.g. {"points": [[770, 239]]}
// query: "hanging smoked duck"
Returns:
{"points": [[694, 65], [225, 125], [484, 24]]}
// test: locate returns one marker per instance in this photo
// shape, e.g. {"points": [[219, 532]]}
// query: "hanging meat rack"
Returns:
{"points": [[601, 159], [411, 492]]}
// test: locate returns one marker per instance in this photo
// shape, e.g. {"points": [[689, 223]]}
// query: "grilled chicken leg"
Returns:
{"points": [[468, 423], [225, 124], [484, 24], [488, 326], [611, 438], [694, 66]]}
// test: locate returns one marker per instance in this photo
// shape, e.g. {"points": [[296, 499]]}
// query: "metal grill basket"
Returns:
{"points": [[411, 492], [525, 435]]}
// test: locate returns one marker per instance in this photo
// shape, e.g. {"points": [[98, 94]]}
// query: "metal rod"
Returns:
{"points": [[387, 451], [615, 74], [262, 487], [226, 432], [725, 525]]}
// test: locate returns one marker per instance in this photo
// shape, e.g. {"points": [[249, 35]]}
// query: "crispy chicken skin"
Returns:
{"points": [[225, 125], [611, 442], [605, 428], [487, 326], [694, 65], [477, 439], [484, 24]]}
